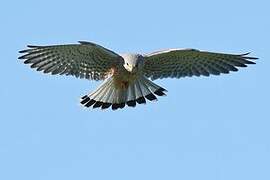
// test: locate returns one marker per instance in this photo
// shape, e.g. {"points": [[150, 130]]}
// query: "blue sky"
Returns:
{"points": [[205, 128]]}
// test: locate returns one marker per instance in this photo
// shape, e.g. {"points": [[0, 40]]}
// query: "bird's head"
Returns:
{"points": [[133, 62]]}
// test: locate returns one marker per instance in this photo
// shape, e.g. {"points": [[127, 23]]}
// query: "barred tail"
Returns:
{"points": [[108, 95]]}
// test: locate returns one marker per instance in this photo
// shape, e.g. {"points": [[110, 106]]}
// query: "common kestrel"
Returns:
{"points": [[126, 75]]}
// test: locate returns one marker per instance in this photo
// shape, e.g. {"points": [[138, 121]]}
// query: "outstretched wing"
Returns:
{"points": [[84, 60], [176, 63]]}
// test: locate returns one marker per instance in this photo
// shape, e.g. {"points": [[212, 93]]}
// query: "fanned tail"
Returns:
{"points": [[108, 95]]}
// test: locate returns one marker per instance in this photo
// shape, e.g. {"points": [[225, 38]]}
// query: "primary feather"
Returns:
{"points": [[84, 60], [176, 63]]}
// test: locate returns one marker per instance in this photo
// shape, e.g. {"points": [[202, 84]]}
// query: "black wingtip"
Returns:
{"points": [[115, 106], [131, 103], [253, 58], [33, 46], [28, 50], [105, 105], [90, 103], [122, 105], [86, 43], [151, 97], [250, 62], [24, 51], [118, 106], [248, 57], [141, 100], [162, 89], [98, 104], [159, 92], [21, 57], [245, 54], [85, 99]]}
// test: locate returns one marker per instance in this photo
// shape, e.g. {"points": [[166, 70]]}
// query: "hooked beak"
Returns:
{"points": [[130, 68]]}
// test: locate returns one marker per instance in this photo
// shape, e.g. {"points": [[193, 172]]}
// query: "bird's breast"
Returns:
{"points": [[123, 78]]}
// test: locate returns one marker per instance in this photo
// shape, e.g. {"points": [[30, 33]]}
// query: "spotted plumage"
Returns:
{"points": [[126, 75]]}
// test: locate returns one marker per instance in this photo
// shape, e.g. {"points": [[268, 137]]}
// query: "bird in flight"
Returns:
{"points": [[127, 76]]}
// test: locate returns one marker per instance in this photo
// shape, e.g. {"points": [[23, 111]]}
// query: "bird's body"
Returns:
{"points": [[126, 75], [125, 85]]}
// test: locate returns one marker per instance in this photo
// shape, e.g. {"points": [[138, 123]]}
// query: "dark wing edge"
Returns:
{"points": [[215, 63], [83, 60]]}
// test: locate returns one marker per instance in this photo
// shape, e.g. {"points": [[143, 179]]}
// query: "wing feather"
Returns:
{"points": [[176, 63], [84, 60]]}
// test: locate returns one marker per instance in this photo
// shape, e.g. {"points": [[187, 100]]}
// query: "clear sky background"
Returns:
{"points": [[205, 128]]}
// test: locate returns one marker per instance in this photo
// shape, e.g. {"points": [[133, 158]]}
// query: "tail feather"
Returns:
{"points": [[100, 91], [155, 88], [144, 87], [98, 95], [131, 93], [146, 90], [108, 95], [138, 90]]}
